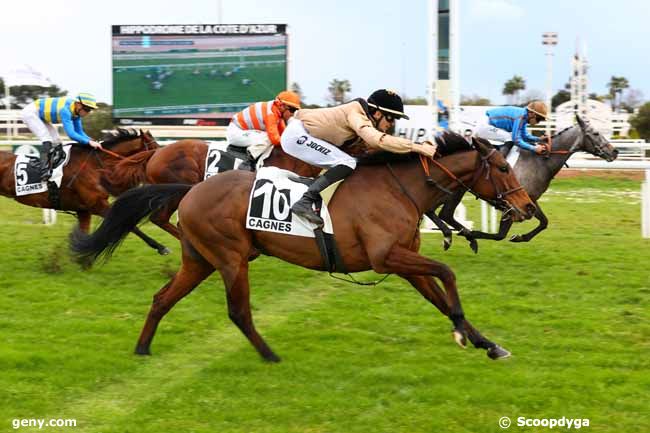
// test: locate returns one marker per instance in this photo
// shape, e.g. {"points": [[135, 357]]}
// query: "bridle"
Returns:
{"points": [[483, 164], [599, 150], [146, 142]]}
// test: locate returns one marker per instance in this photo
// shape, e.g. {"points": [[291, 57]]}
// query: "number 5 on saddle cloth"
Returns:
{"points": [[27, 171]]}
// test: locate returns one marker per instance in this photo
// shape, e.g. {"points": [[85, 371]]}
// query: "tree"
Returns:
{"points": [[295, 87], [23, 95], [533, 95], [633, 99], [418, 100], [338, 90], [560, 97], [99, 120], [474, 100], [641, 122], [616, 86], [513, 86]]}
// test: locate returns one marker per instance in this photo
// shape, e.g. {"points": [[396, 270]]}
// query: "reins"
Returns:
{"points": [[482, 164]]}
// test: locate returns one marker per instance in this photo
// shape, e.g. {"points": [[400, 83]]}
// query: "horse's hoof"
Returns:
{"points": [[460, 338], [447, 243], [271, 357], [516, 238], [498, 352], [142, 351], [474, 246], [86, 263], [164, 251]]}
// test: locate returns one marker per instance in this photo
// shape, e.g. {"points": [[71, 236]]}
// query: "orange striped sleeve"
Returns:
{"points": [[272, 121], [241, 120]]}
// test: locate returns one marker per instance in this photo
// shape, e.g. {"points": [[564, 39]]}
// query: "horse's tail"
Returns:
{"points": [[126, 173], [125, 214]]}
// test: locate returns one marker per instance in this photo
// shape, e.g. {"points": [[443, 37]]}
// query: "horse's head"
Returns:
{"points": [[593, 142], [129, 141], [495, 181]]}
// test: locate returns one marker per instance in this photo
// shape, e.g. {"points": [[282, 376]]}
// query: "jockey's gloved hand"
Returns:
{"points": [[95, 144], [541, 149], [426, 148]]}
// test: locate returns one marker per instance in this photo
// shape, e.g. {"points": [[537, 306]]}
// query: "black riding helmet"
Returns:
{"points": [[387, 102]]}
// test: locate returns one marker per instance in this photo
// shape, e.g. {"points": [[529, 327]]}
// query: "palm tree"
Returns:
{"points": [[513, 86], [338, 89], [616, 86], [295, 87]]}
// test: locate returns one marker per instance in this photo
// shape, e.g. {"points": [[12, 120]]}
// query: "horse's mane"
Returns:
{"points": [[448, 144], [119, 135], [563, 131]]}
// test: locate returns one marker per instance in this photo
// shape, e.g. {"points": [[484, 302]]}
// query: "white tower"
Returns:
{"points": [[580, 82]]}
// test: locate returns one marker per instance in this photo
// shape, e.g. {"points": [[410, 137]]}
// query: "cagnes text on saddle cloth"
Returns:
{"points": [[269, 206], [28, 175]]}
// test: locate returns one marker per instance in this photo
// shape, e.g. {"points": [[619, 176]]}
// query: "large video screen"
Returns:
{"points": [[195, 74]]}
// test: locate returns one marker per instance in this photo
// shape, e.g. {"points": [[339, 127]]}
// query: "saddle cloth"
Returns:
{"points": [[269, 208], [27, 172], [220, 159]]}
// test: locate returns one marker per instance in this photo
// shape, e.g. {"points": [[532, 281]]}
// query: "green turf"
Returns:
{"points": [[572, 306]]}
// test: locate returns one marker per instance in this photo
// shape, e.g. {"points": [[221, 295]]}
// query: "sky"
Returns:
{"points": [[372, 43]]}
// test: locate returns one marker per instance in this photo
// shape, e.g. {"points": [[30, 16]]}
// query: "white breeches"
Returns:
{"points": [[256, 142], [297, 142]]}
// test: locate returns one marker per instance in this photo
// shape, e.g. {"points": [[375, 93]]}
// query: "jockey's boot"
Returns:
{"points": [[304, 206], [46, 155], [250, 164], [505, 149]]}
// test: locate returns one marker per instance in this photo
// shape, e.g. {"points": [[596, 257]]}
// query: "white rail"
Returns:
{"points": [[594, 164]]}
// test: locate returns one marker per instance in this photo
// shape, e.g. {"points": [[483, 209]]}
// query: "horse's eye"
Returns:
{"points": [[503, 168]]}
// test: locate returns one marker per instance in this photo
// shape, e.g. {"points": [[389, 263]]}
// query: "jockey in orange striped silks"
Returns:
{"points": [[260, 125]]}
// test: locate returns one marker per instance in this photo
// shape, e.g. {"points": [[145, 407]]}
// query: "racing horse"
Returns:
{"points": [[376, 214], [181, 162], [81, 191], [535, 174]]}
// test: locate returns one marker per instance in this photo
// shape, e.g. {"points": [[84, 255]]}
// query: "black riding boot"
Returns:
{"points": [[505, 149], [304, 206], [249, 164], [46, 153]]}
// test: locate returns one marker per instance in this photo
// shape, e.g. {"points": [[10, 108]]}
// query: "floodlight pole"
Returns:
{"points": [[432, 51], [549, 39], [454, 61]]}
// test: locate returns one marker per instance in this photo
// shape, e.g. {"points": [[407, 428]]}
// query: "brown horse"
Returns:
{"points": [[81, 191], [375, 213], [181, 162]]}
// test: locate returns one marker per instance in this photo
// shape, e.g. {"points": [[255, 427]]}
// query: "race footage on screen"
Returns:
{"points": [[172, 73]]}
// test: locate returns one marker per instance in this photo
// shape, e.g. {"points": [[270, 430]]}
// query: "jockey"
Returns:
{"points": [[508, 124], [43, 113], [260, 125], [315, 135]]}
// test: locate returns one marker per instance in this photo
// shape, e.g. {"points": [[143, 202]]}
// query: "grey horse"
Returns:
{"points": [[535, 174]]}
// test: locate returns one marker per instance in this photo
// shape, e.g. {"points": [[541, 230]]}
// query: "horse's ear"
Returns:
{"points": [[580, 121], [480, 146]]}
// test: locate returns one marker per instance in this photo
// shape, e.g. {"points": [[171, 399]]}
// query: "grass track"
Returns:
{"points": [[572, 306]]}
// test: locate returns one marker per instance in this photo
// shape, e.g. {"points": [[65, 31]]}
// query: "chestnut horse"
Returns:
{"points": [[181, 162], [375, 212], [81, 191]]}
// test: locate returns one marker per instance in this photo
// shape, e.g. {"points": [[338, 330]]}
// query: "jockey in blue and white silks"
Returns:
{"points": [[509, 124], [40, 116]]}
